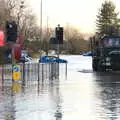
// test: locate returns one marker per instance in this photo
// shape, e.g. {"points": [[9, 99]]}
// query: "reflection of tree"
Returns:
{"points": [[74, 42], [109, 93], [9, 108], [9, 100]]}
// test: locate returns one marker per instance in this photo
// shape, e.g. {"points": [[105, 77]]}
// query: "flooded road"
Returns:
{"points": [[81, 95]]}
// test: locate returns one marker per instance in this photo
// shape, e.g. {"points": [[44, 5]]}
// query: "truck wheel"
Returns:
{"points": [[95, 66], [102, 68]]}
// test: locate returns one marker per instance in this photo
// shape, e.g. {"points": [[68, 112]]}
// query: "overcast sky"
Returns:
{"points": [[78, 13]]}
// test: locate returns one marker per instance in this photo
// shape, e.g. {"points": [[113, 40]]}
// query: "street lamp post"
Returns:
{"points": [[40, 26], [41, 21]]}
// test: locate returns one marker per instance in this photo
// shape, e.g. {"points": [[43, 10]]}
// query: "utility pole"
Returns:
{"points": [[47, 43], [40, 26], [41, 21]]}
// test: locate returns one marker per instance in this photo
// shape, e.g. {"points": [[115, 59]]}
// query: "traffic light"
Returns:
{"points": [[11, 31], [2, 38], [59, 34]]}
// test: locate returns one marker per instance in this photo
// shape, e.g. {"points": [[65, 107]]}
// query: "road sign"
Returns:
{"points": [[16, 72]]}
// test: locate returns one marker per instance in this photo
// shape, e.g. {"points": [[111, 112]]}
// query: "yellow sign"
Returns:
{"points": [[16, 75], [16, 72]]}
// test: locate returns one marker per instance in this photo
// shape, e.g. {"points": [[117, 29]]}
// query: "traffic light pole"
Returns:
{"points": [[13, 61], [59, 39], [11, 37], [58, 47]]}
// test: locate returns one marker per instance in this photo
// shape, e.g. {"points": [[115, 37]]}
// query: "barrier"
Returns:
{"points": [[28, 73]]}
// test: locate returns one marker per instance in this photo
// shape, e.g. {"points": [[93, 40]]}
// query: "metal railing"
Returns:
{"points": [[31, 73]]}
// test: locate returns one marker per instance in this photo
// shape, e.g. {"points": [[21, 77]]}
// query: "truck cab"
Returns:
{"points": [[106, 54]]}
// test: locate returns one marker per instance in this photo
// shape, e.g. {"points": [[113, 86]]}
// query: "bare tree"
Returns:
{"points": [[75, 41]]}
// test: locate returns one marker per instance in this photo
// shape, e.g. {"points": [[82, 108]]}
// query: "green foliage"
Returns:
{"points": [[107, 19]]}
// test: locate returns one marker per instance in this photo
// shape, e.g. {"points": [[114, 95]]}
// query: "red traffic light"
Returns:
{"points": [[2, 38]]}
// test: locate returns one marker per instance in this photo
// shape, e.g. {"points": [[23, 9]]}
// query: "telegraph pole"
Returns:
{"points": [[41, 21], [47, 46], [40, 26]]}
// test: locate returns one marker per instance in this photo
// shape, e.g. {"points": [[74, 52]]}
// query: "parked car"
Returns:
{"points": [[51, 59], [88, 53]]}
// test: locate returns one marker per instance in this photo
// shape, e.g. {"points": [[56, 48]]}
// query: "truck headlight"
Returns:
{"points": [[107, 59]]}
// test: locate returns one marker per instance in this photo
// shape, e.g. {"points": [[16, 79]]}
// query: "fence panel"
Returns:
{"points": [[31, 73]]}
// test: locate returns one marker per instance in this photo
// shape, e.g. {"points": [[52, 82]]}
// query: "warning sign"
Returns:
{"points": [[16, 72]]}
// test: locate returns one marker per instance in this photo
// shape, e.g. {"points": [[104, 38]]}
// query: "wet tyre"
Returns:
{"points": [[95, 66], [102, 68]]}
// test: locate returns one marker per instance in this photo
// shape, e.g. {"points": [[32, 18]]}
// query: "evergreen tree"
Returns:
{"points": [[107, 20]]}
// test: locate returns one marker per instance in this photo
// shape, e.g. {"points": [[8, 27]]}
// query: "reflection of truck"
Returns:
{"points": [[106, 53]]}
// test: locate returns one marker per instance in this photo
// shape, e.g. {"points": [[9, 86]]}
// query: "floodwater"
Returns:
{"points": [[80, 95]]}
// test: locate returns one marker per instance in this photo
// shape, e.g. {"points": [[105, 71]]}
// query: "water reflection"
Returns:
{"points": [[83, 96], [31, 99], [9, 95], [16, 87], [108, 90], [8, 101]]}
